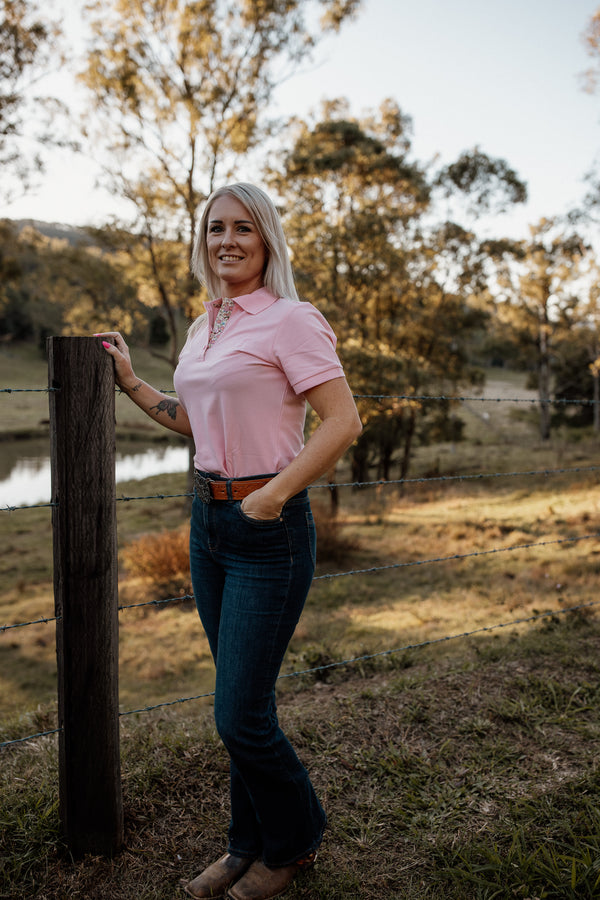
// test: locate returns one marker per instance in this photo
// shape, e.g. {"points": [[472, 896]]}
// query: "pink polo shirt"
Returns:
{"points": [[244, 395]]}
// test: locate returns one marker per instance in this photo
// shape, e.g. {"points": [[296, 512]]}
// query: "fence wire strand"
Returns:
{"points": [[380, 653], [447, 398], [364, 571], [382, 482], [367, 571], [46, 390], [345, 662]]}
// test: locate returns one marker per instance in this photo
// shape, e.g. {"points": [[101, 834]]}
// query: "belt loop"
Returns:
{"points": [[229, 490]]}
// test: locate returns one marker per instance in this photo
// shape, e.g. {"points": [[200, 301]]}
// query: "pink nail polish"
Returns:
{"points": [[106, 344]]}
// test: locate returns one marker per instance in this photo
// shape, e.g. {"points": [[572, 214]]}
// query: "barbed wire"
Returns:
{"points": [[123, 499], [31, 506], [439, 559], [41, 621], [425, 479], [401, 565], [367, 571], [583, 401], [344, 662], [47, 390], [369, 656], [478, 399], [30, 737], [162, 602]]}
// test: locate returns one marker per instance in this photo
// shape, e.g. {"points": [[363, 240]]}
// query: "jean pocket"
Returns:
{"points": [[261, 523]]}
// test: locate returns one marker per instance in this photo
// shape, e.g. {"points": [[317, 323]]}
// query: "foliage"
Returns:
{"points": [[539, 282], [592, 44], [51, 286], [161, 560], [28, 46], [491, 185], [403, 295], [178, 89]]}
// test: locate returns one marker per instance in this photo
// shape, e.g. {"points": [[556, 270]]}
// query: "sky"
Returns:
{"points": [[504, 77]]}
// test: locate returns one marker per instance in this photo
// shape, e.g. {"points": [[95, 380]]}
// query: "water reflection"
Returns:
{"points": [[27, 481]]}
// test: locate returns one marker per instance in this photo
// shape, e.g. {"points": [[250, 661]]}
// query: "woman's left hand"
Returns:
{"points": [[258, 505]]}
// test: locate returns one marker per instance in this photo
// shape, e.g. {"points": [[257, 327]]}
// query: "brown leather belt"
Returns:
{"points": [[231, 489]]}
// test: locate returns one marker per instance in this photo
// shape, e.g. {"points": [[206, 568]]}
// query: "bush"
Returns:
{"points": [[162, 559]]}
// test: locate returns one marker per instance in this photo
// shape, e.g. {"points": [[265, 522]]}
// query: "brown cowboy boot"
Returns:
{"points": [[220, 875], [263, 883]]}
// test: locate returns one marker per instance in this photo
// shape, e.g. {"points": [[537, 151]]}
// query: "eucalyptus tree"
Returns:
{"points": [[576, 357], [347, 187], [179, 89], [539, 298], [590, 210], [28, 49], [400, 288]]}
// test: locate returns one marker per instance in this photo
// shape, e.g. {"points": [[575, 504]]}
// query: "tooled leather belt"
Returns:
{"points": [[231, 489]]}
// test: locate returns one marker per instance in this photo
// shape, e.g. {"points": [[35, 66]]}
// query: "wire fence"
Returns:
{"points": [[370, 570]]}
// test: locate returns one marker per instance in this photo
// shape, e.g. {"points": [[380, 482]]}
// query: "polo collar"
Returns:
{"points": [[252, 303]]}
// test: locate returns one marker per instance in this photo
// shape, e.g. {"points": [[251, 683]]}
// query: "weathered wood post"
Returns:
{"points": [[82, 423]]}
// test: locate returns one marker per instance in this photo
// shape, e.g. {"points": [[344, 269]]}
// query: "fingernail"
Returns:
{"points": [[106, 344]]}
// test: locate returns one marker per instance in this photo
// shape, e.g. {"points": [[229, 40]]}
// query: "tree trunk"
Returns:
{"points": [[544, 383]]}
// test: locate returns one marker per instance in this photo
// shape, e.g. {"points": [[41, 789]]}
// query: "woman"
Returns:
{"points": [[244, 375]]}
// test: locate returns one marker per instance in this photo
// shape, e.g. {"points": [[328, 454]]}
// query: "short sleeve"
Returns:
{"points": [[304, 347]]}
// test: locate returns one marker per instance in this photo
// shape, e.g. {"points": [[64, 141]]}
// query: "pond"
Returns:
{"points": [[25, 468]]}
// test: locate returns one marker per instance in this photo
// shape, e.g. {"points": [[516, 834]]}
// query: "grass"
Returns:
{"points": [[474, 776], [465, 769]]}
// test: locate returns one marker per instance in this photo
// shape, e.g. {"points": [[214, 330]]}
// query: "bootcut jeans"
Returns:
{"points": [[250, 581]]}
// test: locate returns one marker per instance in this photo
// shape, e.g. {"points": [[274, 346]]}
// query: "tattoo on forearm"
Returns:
{"points": [[136, 387], [168, 406]]}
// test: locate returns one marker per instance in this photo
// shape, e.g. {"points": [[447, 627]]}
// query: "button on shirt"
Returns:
{"points": [[244, 394]]}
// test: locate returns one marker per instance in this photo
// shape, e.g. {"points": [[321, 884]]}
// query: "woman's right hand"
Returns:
{"points": [[124, 374]]}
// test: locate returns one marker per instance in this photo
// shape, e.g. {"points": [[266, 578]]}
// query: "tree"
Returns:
{"points": [[347, 186], [50, 285], [178, 89], [591, 200], [400, 292], [537, 281], [28, 46], [576, 366], [591, 39], [489, 184]]}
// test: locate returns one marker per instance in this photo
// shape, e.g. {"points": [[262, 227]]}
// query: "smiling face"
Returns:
{"points": [[236, 251]]}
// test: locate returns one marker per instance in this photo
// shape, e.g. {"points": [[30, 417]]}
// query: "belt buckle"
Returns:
{"points": [[202, 487]]}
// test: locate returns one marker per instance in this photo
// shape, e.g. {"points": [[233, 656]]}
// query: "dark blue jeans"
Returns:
{"points": [[250, 581]]}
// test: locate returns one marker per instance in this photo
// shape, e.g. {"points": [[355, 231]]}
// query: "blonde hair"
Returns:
{"points": [[278, 277]]}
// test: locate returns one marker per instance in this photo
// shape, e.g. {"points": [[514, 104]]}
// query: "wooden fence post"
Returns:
{"points": [[82, 424]]}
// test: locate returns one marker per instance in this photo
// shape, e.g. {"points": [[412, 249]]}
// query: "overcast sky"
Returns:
{"points": [[505, 77]]}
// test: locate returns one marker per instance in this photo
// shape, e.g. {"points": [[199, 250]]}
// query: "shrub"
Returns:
{"points": [[162, 559]]}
